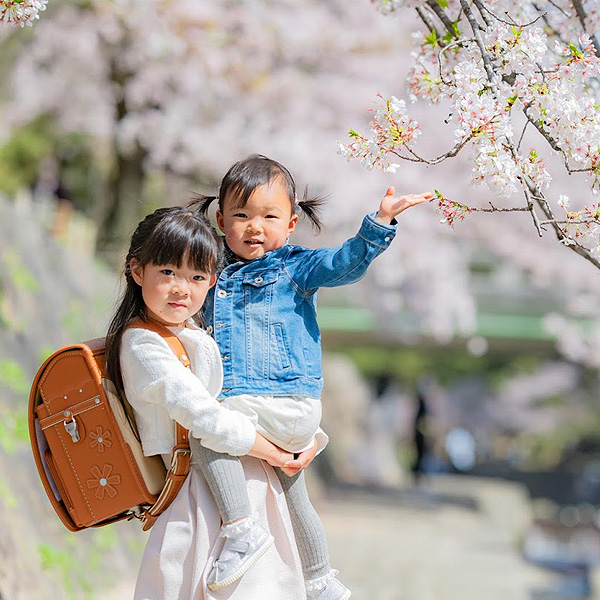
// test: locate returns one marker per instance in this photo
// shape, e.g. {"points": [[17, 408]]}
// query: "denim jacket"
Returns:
{"points": [[263, 312]]}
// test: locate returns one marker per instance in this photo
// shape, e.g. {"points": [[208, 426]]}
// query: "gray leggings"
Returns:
{"points": [[227, 482]]}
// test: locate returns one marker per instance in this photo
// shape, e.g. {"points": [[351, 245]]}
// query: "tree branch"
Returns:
{"points": [[428, 23], [442, 16], [475, 27], [580, 11]]}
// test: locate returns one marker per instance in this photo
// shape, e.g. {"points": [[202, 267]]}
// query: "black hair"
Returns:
{"points": [[246, 175], [168, 236]]}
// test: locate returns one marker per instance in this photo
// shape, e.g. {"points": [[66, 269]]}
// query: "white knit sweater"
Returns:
{"points": [[161, 390]]}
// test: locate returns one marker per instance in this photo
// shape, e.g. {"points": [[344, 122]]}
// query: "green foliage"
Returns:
{"points": [[19, 276], [13, 377], [7, 498], [65, 562], [79, 572], [431, 39], [14, 431], [21, 156], [452, 35], [44, 352], [446, 365]]}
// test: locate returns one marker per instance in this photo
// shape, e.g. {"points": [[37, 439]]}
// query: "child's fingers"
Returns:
{"points": [[289, 471]]}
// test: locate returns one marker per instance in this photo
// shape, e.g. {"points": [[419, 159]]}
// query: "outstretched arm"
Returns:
{"points": [[329, 267], [391, 206]]}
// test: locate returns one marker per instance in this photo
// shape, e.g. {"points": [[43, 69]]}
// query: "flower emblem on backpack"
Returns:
{"points": [[99, 439], [103, 481]]}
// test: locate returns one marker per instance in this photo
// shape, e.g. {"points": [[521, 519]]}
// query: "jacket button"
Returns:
{"points": [[387, 239], [222, 294], [209, 330], [258, 280]]}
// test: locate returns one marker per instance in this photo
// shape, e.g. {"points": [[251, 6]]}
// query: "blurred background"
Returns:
{"points": [[461, 372]]}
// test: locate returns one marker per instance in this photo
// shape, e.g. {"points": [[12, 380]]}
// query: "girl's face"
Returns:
{"points": [[172, 294], [262, 225]]}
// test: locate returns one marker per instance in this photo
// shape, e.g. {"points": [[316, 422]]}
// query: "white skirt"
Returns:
{"points": [[184, 542]]}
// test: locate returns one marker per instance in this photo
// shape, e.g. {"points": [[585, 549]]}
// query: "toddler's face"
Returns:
{"points": [[172, 294], [262, 225]]}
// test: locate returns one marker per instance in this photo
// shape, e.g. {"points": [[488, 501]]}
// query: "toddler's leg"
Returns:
{"points": [[320, 578], [226, 480], [308, 529], [245, 540]]}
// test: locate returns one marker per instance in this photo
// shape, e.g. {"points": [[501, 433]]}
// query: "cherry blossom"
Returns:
{"points": [[505, 67], [21, 12]]}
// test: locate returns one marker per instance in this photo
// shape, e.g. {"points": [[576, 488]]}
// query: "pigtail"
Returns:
{"points": [[311, 207], [201, 203]]}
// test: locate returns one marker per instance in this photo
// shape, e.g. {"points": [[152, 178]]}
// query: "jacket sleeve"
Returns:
{"points": [[330, 267], [153, 377]]}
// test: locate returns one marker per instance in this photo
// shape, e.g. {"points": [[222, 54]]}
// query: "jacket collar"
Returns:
{"points": [[232, 259]]}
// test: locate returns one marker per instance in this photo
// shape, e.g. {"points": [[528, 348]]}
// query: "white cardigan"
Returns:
{"points": [[161, 390]]}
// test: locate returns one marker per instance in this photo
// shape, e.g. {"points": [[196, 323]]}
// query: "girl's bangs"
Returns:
{"points": [[244, 177], [176, 240]]}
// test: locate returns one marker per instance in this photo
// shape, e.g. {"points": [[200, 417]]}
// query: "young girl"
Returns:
{"points": [[170, 267], [263, 316]]}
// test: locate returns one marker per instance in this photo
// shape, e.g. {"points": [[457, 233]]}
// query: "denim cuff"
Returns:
{"points": [[377, 233]]}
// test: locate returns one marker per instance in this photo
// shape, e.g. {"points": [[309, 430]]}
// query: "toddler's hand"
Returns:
{"points": [[391, 205]]}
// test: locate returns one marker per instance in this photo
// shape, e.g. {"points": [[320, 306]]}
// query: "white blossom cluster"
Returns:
{"points": [[491, 81], [21, 12], [391, 130]]}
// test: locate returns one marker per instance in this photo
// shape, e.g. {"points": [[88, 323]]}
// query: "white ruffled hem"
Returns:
{"points": [[236, 528], [315, 585]]}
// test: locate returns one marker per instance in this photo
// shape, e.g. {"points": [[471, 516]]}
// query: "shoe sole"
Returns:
{"points": [[238, 574], [346, 596]]}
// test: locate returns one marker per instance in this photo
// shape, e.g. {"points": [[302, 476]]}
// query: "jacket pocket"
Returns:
{"points": [[281, 345]]}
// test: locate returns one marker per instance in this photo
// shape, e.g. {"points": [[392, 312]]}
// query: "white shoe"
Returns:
{"points": [[327, 588], [245, 542]]}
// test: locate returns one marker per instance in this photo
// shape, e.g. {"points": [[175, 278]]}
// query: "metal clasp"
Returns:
{"points": [[71, 428]]}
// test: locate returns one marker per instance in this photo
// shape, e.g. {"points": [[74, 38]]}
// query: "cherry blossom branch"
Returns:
{"points": [[504, 63], [487, 62], [442, 16], [581, 15], [559, 8], [484, 9], [561, 234], [442, 52], [428, 23]]}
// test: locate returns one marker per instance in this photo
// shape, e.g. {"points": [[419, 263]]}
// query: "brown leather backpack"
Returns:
{"points": [[86, 445]]}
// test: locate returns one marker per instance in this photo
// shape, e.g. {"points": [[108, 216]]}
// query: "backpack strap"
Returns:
{"points": [[181, 460]]}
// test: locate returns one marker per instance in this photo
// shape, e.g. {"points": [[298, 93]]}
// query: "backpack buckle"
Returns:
{"points": [[71, 428]]}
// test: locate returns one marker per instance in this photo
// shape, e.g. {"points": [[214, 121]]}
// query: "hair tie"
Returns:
{"points": [[296, 201]]}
